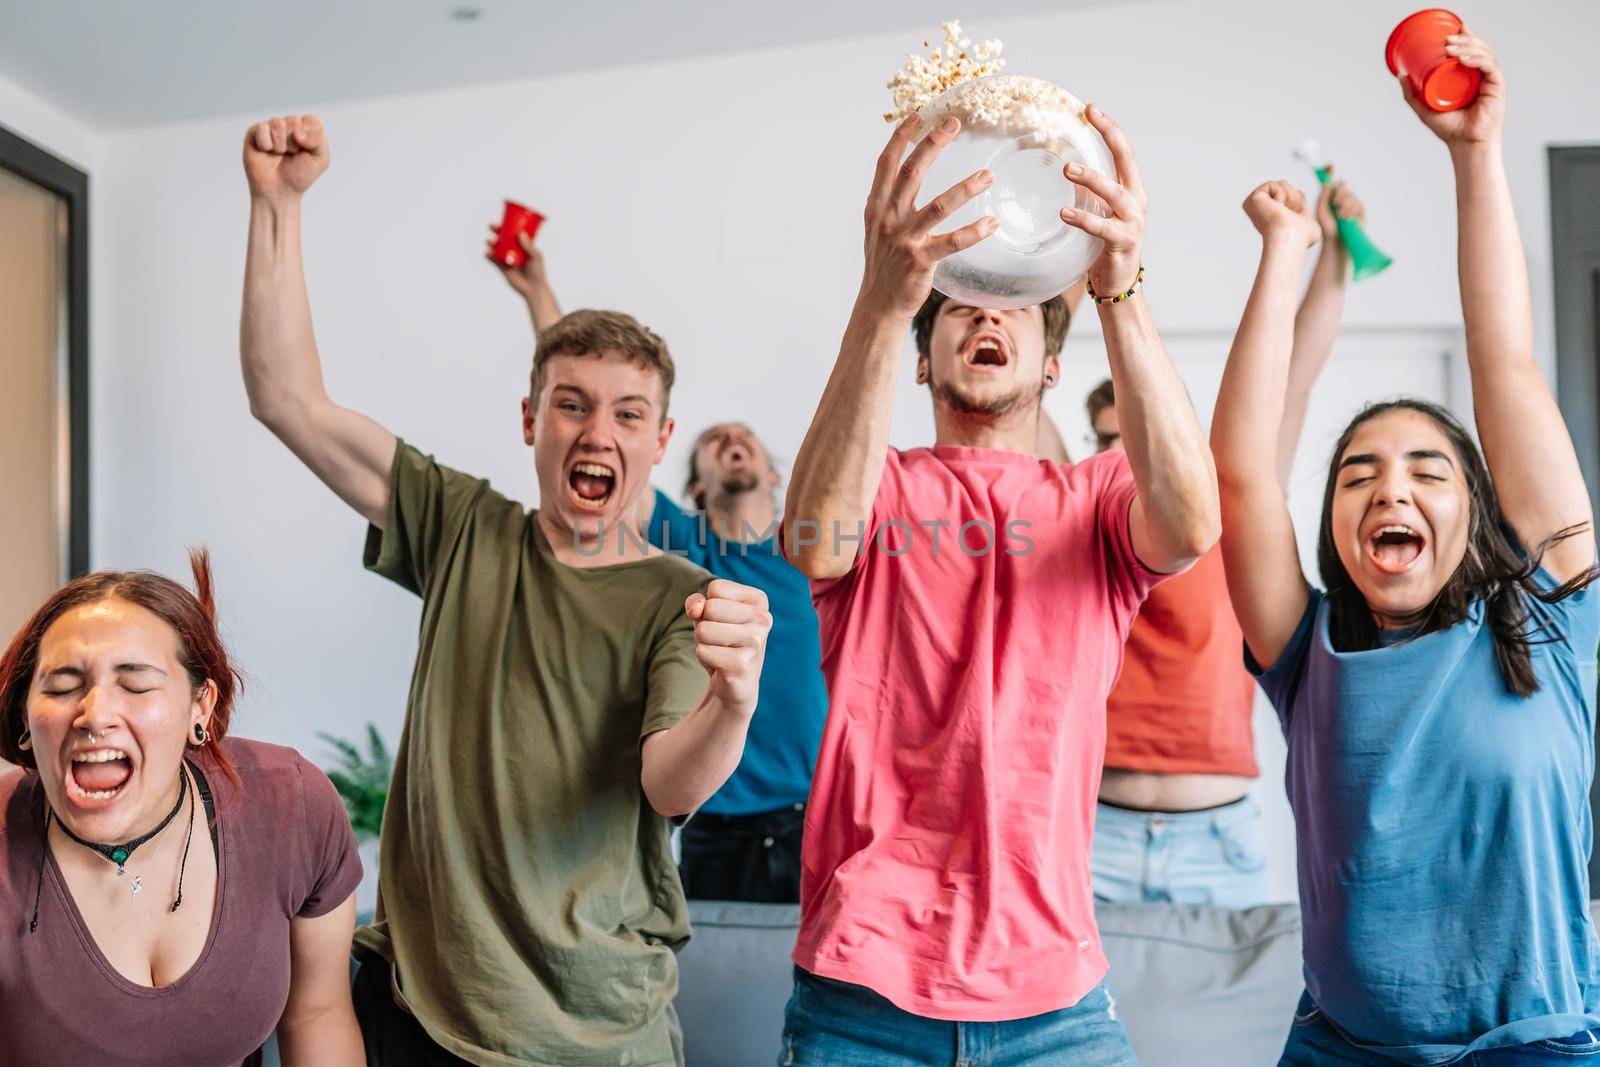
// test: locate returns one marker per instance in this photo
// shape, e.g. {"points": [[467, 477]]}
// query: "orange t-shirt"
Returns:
{"points": [[1182, 704]]}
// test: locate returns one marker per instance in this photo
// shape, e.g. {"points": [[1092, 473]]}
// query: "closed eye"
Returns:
{"points": [[1354, 482]]}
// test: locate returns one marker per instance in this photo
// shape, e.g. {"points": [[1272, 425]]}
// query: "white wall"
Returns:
{"points": [[719, 200], [25, 114]]}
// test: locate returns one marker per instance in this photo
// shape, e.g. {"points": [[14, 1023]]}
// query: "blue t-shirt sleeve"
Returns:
{"points": [[1573, 621], [677, 531], [1281, 682]]}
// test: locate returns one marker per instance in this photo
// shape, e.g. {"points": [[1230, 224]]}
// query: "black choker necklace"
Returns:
{"points": [[120, 854]]}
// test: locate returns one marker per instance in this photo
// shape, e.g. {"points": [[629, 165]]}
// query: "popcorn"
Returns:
{"points": [[984, 99], [1010, 105], [948, 65]]}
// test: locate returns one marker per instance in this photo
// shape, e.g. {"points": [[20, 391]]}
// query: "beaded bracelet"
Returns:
{"points": [[1118, 298]]}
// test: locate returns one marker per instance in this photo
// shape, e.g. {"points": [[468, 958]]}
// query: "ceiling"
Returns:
{"points": [[115, 64]]}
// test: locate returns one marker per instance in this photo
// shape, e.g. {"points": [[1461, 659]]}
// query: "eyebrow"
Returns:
{"points": [[1371, 458], [121, 668], [631, 398]]}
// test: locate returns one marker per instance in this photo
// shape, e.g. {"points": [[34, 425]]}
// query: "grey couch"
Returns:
{"points": [[1197, 987]]}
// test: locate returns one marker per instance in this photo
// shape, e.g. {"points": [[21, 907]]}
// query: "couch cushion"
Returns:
{"points": [[1204, 986], [1195, 986], [734, 979]]}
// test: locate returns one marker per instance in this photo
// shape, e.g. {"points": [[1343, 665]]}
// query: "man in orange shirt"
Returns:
{"points": [[1175, 822]]}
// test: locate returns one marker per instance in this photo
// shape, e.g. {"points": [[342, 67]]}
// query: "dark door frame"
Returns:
{"points": [[33, 164]]}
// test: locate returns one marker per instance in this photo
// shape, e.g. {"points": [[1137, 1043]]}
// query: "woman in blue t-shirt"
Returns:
{"points": [[1438, 698]]}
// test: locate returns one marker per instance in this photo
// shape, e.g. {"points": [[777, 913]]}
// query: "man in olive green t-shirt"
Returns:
{"points": [[560, 711]]}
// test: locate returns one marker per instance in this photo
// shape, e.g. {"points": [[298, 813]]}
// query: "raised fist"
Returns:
{"points": [[1279, 207], [1338, 202], [730, 638], [284, 156]]}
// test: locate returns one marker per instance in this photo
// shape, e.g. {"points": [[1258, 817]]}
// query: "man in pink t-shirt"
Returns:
{"points": [[974, 601]]}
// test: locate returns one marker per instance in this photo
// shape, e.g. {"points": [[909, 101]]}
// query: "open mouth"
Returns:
{"points": [[592, 484], [1395, 547], [98, 775], [987, 350]]}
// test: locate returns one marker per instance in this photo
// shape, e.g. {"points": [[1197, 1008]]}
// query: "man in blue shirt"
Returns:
{"points": [[743, 843]]}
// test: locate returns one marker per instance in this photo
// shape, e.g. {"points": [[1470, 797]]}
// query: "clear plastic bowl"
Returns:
{"points": [[1026, 131]]}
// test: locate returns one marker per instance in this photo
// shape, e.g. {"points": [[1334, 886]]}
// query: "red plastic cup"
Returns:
{"points": [[1416, 50], [507, 250]]}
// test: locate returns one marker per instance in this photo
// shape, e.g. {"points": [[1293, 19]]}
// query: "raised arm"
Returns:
{"points": [[1175, 518], [1316, 325], [1525, 441], [840, 463], [531, 281], [1268, 590], [351, 453], [685, 764]]}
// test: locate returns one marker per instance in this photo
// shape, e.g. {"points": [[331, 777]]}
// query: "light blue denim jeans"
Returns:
{"points": [[837, 1024], [1216, 856]]}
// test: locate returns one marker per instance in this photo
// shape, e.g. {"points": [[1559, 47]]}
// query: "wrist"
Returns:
{"points": [[875, 314], [1283, 239], [737, 709], [1469, 153], [1109, 279], [276, 203]]}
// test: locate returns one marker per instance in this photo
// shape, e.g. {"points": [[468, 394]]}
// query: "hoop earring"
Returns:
{"points": [[200, 735], [25, 742], [1049, 379]]}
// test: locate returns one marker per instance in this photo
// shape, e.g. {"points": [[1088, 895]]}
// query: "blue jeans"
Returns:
{"points": [[1314, 1041], [836, 1024], [1216, 856]]}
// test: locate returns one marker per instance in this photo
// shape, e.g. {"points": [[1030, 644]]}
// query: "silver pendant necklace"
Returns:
{"points": [[138, 880], [137, 885]]}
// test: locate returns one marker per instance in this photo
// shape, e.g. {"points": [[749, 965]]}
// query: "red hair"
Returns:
{"points": [[193, 618]]}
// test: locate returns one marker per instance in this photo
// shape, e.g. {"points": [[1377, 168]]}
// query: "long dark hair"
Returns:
{"points": [[1496, 568]]}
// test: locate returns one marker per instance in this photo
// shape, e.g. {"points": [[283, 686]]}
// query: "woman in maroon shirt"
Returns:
{"points": [[166, 896]]}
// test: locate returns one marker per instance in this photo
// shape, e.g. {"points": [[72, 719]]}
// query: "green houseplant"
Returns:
{"points": [[362, 779]]}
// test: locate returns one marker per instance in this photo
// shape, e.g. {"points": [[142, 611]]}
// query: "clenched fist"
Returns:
{"points": [[1337, 202], [1280, 208], [730, 638], [284, 156]]}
